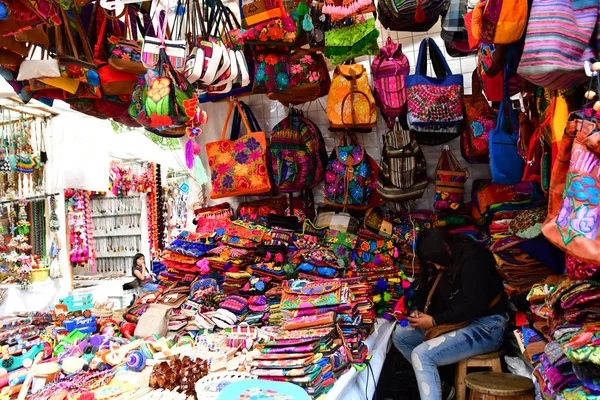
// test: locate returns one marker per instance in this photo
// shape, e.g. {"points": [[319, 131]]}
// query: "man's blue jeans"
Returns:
{"points": [[483, 335]]}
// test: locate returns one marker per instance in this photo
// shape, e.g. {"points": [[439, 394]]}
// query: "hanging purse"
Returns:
{"points": [[435, 105], [42, 68], [450, 178], [480, 119], [175, 49], [125, 51], [238, 166], [345, 44], [506, 163]]}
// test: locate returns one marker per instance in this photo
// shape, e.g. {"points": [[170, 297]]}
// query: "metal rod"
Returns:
{"points": [[39, 197]]}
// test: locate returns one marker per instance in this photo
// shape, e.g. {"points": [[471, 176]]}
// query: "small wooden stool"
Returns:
{"points": [[489, 360], [498, 385]]}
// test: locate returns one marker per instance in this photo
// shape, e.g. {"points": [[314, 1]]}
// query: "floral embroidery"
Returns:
{"points": [[238, 166], [578, 215], [124, 49], [427, 103], [272, 74], [304, 70], [360, 182]]}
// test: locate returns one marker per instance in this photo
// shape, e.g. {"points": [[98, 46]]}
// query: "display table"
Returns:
{"points": [[39, 297], [351, 385]]}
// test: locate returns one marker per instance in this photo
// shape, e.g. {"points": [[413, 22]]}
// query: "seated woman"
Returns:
{"points": [[459, 284], [144, 279]]}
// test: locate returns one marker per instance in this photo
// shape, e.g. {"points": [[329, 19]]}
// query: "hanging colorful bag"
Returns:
{"points": [[389, 70], [271, 70], [573, 204], [557, 42], [350, 103], [347, 43], [238, 167], [480, 119], [298, 153], [253, 12], [501, 22], [450, 178], [351, 178], [435, 105]]}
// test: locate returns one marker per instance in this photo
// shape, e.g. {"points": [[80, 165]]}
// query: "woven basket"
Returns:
{"points": [[209, 387]]}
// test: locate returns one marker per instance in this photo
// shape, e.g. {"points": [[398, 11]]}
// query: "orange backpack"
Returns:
{"points": [[350, 103]]}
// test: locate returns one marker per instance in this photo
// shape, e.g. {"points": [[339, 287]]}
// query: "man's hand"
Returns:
{"points": [[421, 321]]}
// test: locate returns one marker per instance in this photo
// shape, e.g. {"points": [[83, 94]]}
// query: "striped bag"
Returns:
{"points": [[557, 42], [403, 174]]}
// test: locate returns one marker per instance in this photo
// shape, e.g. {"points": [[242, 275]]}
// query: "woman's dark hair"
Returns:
{"points": [[439, 246], [135, 258]]}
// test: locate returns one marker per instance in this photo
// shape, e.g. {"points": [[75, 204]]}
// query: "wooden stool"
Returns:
{"points": [[489, 360], [498, 385]]}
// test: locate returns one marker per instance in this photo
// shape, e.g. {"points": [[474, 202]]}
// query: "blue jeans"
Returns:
{"points": [[483, 335], [150, 287]]}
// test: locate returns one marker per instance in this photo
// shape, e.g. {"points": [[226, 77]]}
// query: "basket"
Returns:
{"points": [[102, 313], [40, 274], [211, 385]]}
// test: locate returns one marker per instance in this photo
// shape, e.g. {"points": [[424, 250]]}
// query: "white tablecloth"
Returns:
{"points": [[351, 385], [39, 297]]}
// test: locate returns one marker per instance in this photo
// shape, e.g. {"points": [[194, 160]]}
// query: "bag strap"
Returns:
{"points": [[440, 66], [229, 112], [514, 121], [432, 291]]}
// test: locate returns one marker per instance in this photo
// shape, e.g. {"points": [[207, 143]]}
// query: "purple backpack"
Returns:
{"points": [[390, 69]]}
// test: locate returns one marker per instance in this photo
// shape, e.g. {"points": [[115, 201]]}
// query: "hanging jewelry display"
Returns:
{"points": [[153, 216], [54, 225], [79, 253], [90, 231], [19, 243], [39, 231], [161, 210], [4, 164]]}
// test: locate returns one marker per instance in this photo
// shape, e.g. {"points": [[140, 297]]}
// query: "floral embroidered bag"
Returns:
{"points": [[238, 167], [350, 103], [480, 119], [271, 70], [351, 178], [435, 105], [573, 204]]}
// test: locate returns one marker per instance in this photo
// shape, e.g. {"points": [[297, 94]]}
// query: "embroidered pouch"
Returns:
{"points": [[304, 294]]}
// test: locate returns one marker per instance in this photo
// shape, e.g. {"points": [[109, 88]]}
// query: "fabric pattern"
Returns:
{"points": [[272, 72], [346, 106], [348, 182], [389, 70], [347, 43], [238, 167]]}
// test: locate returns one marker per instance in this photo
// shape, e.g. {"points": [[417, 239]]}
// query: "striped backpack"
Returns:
{"points": [[390, 69], [298, 154]]}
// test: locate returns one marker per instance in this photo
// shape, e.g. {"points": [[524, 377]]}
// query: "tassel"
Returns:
{"points": [[200, 172], [307, 24], [189, 153], [419, 14]]}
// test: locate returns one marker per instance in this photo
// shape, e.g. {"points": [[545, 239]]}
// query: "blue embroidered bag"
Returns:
{"points": [[435, 105]]}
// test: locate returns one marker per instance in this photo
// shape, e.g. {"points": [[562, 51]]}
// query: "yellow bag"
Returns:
{"points": [[66, 84], [499, 21], [350, 103]]}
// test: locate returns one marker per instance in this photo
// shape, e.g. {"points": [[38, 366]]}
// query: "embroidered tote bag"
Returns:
{"points": [[450, 178], [480, 119], [557, 42], [435, 105], [238, 167], [573, 204]]}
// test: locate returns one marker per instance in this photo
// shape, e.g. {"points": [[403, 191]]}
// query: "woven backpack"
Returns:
{"points": [[350, 103], [389, 70], [403, 174], [298, 154]]}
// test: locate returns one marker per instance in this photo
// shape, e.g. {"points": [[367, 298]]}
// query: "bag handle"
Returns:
{"points": [[239, 108], [440, 66], [432, 291], [506, 103]]}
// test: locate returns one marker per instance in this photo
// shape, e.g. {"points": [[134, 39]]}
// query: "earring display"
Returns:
{"points": [[117, 232]]}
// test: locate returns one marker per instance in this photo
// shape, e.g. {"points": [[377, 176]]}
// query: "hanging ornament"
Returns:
{"points": [[54, 222], [22, 224]]}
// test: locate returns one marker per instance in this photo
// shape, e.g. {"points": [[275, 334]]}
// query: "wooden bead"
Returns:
{"points": [[597, 106], [596, 66], [590, 94]]}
